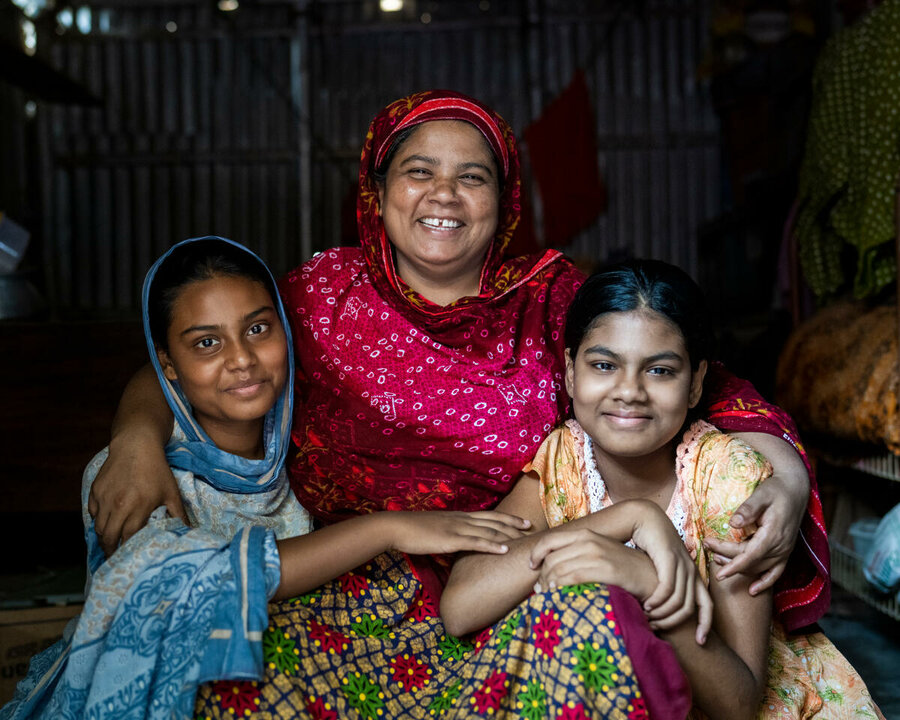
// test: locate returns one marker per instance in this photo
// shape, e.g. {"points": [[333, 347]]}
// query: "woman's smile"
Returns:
{"points": [[440, 207], [441, 224]]}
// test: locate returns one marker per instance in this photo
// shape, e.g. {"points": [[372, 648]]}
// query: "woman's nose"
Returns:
{"points": [[443, 189]]}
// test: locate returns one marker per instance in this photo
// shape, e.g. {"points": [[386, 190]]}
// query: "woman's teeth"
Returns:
{"points": [[440, 223]]}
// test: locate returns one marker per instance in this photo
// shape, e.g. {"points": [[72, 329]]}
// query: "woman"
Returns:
{"points": [[431, 366]]}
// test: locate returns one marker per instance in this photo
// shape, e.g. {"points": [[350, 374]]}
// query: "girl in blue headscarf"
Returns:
{"points": [[177, 605]]}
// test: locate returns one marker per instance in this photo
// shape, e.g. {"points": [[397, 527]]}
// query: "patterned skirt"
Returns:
{"points": [[371, 645]]}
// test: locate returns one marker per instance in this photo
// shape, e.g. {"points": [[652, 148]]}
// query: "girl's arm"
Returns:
{"points": [[135, 479], [728, 674], [777, 507], [483, 588], [308, 561]]}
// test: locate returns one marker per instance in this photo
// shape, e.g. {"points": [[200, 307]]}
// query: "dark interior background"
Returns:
{"points": [[126, 126]]}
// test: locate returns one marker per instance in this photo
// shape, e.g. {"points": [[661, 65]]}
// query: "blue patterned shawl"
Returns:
{"points": [[175, 605]]}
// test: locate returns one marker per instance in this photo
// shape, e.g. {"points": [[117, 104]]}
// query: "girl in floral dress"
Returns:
{"points": [[638, 348]]}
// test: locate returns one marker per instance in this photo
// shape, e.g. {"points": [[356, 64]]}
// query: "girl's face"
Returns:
{"points": [[228, 351], [631, 383]]}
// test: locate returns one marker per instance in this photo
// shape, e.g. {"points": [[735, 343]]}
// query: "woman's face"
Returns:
{"points": [[228, 351], [439, 203]]}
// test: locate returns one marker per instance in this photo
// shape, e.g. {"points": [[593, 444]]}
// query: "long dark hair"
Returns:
{"points": [[643, 284], [201, 260]]}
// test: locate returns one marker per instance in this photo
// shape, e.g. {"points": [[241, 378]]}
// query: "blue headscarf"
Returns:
{"points": [[200, 455]]}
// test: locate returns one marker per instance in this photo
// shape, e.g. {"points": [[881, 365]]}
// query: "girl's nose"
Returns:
{"points": [[630, 387], [240, 356]]}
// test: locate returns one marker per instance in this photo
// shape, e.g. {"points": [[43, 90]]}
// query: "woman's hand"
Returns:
{"points": [[440, 532], [135, 479], [778, 514], [775, 510], [133, 482]]}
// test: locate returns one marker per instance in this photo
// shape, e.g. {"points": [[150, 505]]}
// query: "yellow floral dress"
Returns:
{"points": [[808, 676]]}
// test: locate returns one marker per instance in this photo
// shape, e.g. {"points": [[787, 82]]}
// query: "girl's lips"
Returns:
{"points": [[245, 389], [627, 420]]}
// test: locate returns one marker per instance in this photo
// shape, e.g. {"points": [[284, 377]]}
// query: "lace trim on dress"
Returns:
{"points": [[595, 486], [599, 498]]}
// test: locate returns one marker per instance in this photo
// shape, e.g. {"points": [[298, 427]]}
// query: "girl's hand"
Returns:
{"points": [[679, 590], [571, 556], [439, 532], [777, 511], [133, 482]]}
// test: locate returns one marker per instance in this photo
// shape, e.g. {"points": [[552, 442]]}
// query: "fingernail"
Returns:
{"points": [[537, 587], [504, 548]]}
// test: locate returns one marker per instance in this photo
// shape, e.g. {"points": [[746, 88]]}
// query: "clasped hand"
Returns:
{"points": [[660, 574]]}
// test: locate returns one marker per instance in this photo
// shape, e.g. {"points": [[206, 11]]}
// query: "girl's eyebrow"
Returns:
{"points": [[603, 350], [211, 328]]}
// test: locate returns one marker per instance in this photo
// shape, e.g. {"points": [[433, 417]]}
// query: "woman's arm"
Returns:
{"points": [[135, 479], [307, 561], [776, 507]]}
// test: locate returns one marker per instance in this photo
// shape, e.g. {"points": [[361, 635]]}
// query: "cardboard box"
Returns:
{"points": [[24, 633]]}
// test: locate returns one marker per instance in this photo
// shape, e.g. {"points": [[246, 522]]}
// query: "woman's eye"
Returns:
{"points": [[604, 366], [258, 328], [661, 371], [473, 179], [419, 173]]}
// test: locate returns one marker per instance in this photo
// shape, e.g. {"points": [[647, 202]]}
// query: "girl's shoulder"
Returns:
{"points": [[716, 473], [559, 465]]}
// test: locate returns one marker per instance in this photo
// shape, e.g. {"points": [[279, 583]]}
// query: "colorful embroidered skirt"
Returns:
{"points": [[371, 645]]}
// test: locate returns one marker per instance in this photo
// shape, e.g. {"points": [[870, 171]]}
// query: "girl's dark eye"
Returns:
{"points": [[258, 328], [207, 343], [660, 371], [604, 366]]}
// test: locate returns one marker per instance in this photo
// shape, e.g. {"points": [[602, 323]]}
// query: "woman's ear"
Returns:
{"points": [[167, 365], [697, 384], [380, 186], [570, 374]]}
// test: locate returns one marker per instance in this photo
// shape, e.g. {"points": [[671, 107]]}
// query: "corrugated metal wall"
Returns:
{"points": [[250, 125], [198, 135]]}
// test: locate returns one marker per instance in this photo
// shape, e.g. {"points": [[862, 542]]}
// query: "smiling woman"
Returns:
{"points": [[439, 202]]}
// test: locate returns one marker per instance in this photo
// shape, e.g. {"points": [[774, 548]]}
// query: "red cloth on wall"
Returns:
{"points": [[562, 146]]}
